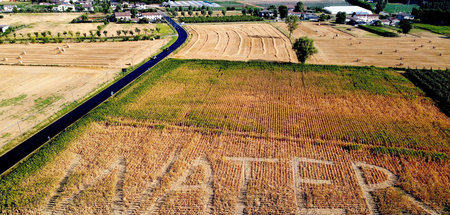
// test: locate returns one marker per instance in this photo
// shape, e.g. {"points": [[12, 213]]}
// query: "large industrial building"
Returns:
{"points": [[347, 10], [190, 3]]}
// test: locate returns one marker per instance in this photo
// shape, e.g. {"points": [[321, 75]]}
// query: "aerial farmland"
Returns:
{"points": [[239, 108], [42, 79]]}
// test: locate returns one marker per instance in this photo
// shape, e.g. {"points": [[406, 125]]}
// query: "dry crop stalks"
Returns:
{"points": [[259, 102], [212, 174]]}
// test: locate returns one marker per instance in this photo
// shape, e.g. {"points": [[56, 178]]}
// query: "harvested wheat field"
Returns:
{"points": [[60, 22], [106, 54], [226, 137], [32, 94], [345, 49], [38, 18], [241, 42]]}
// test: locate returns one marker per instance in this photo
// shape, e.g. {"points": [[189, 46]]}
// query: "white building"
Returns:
{"points": [[367, 18], [347, 9], [64, 7], [186, 4], [152, 16], [8, 8], [3, 28], [123, 16]]}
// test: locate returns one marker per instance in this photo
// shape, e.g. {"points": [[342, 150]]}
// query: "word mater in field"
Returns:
{"points": [[196, 182]]}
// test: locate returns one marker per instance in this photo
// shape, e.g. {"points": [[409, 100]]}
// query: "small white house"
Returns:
{"points": [[123, 16], [385, 21], [64, 7], [3, 28], [140, 6], [367, 18], [8, 8], [88, 7], [152, 16]]}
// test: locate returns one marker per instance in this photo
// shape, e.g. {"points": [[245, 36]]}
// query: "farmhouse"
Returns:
{"points": [[123, 16], [385, 21], [152, 16], [3, 28], [347, 10], [266, 13], [88, 7], [311, 17], [366, 18], [297, 14], [405, 16], [64, 7], [140, 6]]}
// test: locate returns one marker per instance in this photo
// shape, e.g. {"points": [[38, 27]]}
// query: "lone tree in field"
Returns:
{"points": [[340, 17], [299, 7], [283, 11], [304, 47], [224, 12], [292, 23], [405, 26]]}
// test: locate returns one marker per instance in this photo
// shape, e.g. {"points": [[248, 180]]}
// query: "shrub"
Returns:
{"points": [[304, 47]]}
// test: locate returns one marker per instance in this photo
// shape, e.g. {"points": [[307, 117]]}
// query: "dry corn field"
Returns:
{"points": [[346, 49], [106, 54], [240, 42], [219, 137]]}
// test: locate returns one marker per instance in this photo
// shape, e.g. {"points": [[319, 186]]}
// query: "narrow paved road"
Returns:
{"points": [[21, 151]]}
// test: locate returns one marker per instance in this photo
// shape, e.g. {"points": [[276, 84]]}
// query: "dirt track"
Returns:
{"points": [[108, 54], [237, 42], [378, 51]]}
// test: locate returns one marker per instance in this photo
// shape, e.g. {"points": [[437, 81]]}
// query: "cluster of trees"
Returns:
{"points": [[381, 4], [48, 37], [340, 17], [250, 11], [435, 83], [220, 19], [191, 10], [434, 12]]}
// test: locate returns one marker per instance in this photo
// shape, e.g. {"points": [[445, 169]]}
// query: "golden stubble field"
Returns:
{"points": [[346, 49], [102, 54], [33, 94], [241, 42], [60, 23]]}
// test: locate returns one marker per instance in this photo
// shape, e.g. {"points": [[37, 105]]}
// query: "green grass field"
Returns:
{"points": [[397, 8]]}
